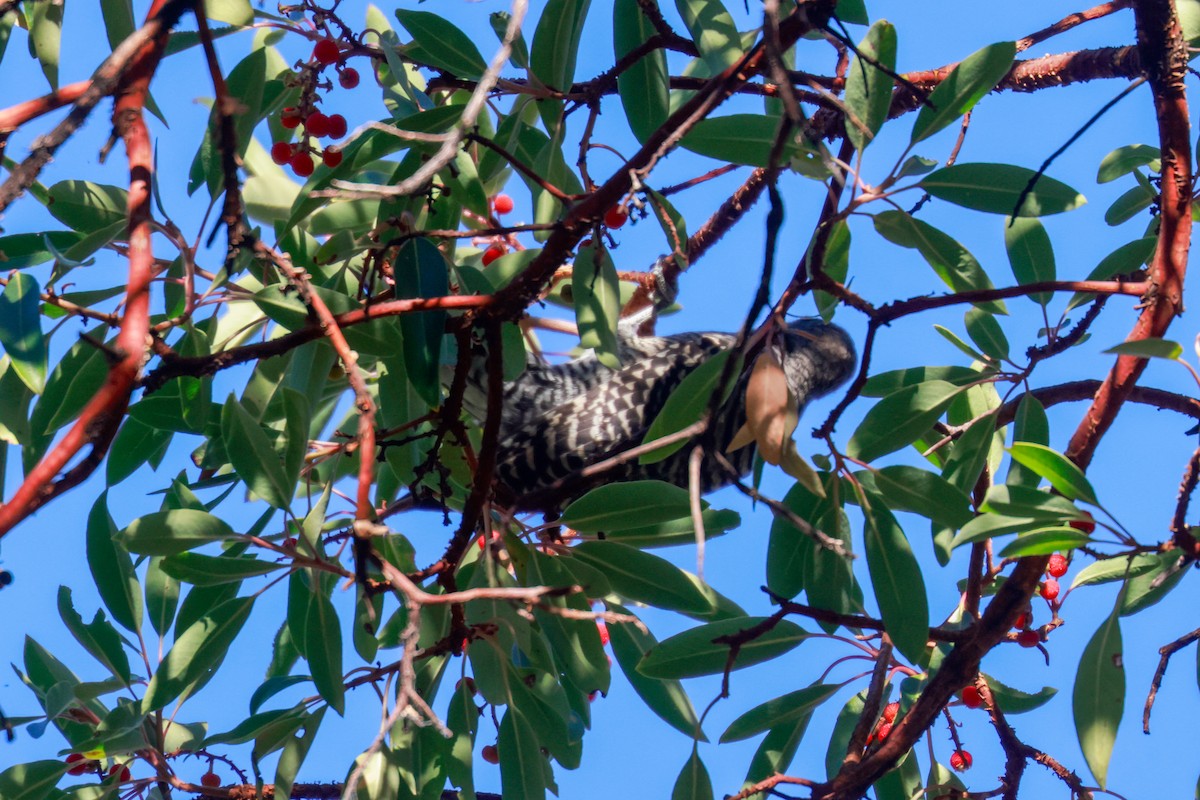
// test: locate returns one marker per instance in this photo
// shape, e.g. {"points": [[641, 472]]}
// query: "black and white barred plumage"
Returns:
{"points": [[559, 419]]}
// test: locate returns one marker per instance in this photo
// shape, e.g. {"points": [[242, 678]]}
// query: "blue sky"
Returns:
{"points": [[629, 752]]}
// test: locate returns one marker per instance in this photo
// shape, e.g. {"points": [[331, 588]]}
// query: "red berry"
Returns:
{"points": [[81, 762], [337, 126], [467, 682], [960, 761], [289, 542], [302, 164], [502, 204], [317, 124], [1029, 638], [890, 711], [1021, 621], [883, 731], [289, 117], [1050, 589], [971, 697], [615, 217], [1086, 525], [331, 157], [281, 153], [592, 696], [603, 629], [491, 254], [210, 780], [327, 51], [348, 78], [1057, 566], [120, 771], [490, 754]]}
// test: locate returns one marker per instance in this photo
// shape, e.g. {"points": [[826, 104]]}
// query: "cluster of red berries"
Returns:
{"points": [[299, 156], [883, 728], [81, 765], [1055, 568], [501, 204]]}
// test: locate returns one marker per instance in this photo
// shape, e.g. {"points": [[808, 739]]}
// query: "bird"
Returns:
{"points": [[559, 419]]}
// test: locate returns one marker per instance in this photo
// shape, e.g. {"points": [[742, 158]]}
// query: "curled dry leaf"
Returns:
{"points": [[770, 408]]}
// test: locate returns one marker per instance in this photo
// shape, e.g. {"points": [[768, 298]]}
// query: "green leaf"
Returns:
{"points": [[1043, 542], [252, 455], [986, 333], [198, 650], [201, 570], [85, 206], [597, 298], [783, 710], [685, 405], [118, 20], [974, 77], [898, 419], [693, 782], [1117, 568], [643, 87], [441, 44], [112, 568], [421, 271], [1145, 590], [294, 752], [1130, 204], [682, 530], [897, 580], [22, 250], [922, 492], [1126, 259], [1015, 701], [988, 526], [1030, 424], [324, 652], [887, 382], [776, 750], [996, 188], [693, 652], [520, 51], [45, 21], [556, 43], [740, 139], [627, 505], [36, 779], [666, 698], [98, 637], [522, 765], [789, 549], [643, 577], [21, 330], [1027, 501], [1099, 697], [1149, 348], [714, 31], [1030, 253], [1125, 160], [1062, 473], [162, 596], [135, 445], [165, 533], [957, 268], [868, 88]]}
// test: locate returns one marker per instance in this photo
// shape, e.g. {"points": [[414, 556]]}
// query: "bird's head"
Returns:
{"points": [[817, 357]]}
